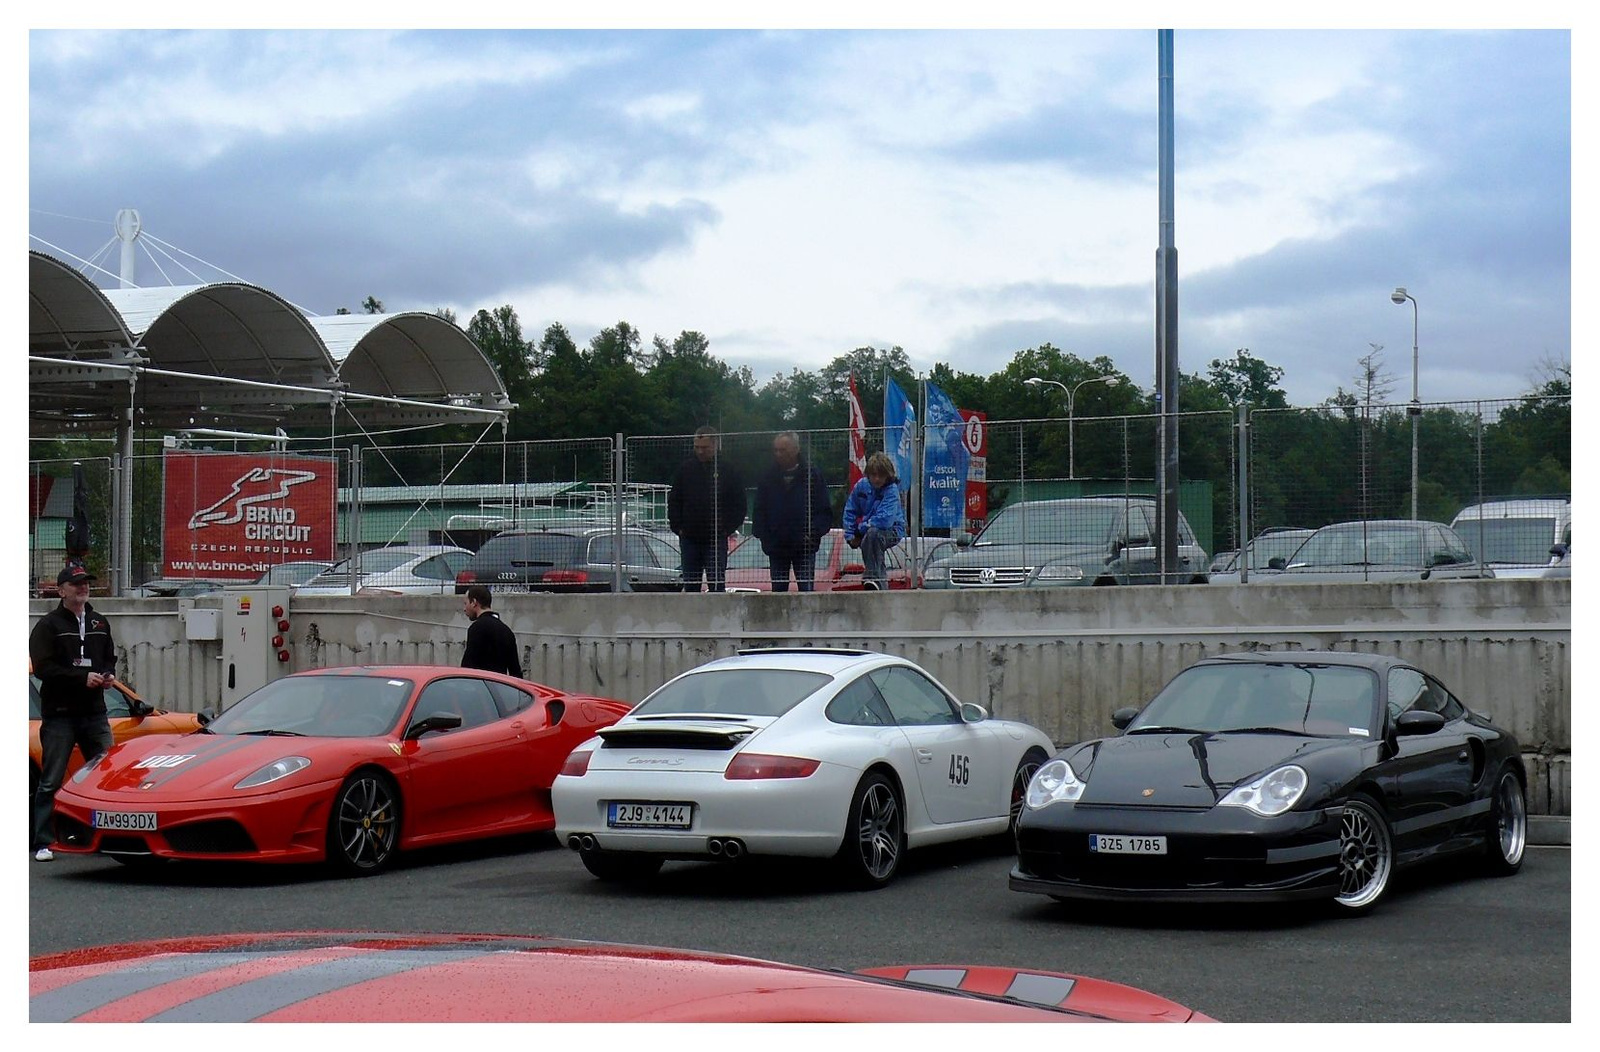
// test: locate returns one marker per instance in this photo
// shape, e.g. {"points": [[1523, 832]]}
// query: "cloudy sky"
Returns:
{"points": [[793, 195]]}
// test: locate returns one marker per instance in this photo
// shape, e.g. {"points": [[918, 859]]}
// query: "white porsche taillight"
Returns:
{"points": [[748, 766], [577, 764]]}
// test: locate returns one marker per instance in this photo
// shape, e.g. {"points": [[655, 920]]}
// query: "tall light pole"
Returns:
{"points": [[1110, 380], [1400, 295]]}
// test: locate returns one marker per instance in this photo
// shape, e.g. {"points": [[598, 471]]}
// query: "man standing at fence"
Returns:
{"points": [[71, 652], [792, 514], [491, 645], [704, 508]]}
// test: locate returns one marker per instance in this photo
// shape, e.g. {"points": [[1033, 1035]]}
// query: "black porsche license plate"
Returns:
{"points": [[1118, 844]]}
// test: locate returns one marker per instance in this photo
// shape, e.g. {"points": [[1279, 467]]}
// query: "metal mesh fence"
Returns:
{"points": [[1473, 466], [1063, 502], [53, 497]]}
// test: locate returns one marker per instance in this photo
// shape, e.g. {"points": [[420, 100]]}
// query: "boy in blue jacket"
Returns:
{"points": [[874, 521]]}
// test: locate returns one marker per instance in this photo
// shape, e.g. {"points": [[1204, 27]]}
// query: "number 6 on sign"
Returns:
{"points": [[959, 769]]}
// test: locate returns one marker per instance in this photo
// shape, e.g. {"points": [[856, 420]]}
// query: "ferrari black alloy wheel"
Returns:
{"points": [[875, 833], [364, 824], [1026, 768], [620, 865], [1366, 855], [1508, 825]]}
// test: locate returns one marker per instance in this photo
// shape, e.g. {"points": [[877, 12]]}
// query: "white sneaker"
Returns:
{"points": [[44, 854]]}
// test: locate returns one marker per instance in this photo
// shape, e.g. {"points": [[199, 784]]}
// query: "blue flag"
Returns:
{"points": [[944, 464], [899, 431]]}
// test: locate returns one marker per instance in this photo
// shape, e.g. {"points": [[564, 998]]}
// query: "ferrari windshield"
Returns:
{"points": [[735, 692], [337, 706], [1319, 700]]}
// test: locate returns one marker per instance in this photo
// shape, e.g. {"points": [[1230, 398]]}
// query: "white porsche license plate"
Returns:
{"points": [[135, 821], [1102, 844], [627, 815]]}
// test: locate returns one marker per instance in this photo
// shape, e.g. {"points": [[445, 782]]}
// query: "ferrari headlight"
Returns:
{"points": [[1053, 783], [1058, 573], [1271, 794], [273, 771]]}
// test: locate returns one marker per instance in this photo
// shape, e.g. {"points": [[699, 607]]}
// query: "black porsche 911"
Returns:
{"points": [[1274, 776]]}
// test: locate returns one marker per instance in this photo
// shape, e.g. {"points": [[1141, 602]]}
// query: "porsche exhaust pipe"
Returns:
{"points": [[714, 845], [574, 841], [586, 843], [732, 849]]}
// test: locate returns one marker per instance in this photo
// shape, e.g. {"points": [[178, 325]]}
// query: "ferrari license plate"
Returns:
{"points": [[649, 816], [1102, 844], [136, 821]]}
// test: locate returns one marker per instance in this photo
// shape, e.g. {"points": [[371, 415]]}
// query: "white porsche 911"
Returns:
{"points": [[808, 752]]}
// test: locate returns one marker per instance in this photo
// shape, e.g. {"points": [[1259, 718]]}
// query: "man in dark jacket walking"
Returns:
{"points": [[491, 645], [704, 508], [792, 514], [73, 655]]}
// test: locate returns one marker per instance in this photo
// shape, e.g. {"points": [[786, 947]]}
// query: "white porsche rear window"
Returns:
{"points": [[735, 692]]}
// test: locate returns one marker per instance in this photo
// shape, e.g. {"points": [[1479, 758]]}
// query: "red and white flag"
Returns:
{"points": [[858, 436]]}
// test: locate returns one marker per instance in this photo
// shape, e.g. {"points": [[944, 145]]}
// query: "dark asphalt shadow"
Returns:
{"points": [[187, 874]]}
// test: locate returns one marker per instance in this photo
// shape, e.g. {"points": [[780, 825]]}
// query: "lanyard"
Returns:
{"points": [[82, 641]]}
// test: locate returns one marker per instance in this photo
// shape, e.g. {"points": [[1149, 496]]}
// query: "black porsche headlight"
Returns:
{"points": [[1054, 783], [273, 771], [1271, 794]]}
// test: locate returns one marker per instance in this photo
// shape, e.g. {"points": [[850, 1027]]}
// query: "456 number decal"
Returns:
{"points": [[959, 769]]}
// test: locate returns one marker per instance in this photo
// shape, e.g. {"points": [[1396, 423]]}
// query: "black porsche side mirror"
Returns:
{"points": [[1418, 722], [205, 716], [1122, 717], [439, 721], [1277, 562]]}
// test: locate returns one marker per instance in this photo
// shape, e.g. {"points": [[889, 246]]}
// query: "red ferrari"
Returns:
{"points": [[347, 765], [371, 977]]}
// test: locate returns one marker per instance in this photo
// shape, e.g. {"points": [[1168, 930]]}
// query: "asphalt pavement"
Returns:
{"points": [[1446, 945]]}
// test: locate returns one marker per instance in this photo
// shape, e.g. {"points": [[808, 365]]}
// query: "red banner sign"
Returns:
{"points": [[231, 516], [976, 438]]}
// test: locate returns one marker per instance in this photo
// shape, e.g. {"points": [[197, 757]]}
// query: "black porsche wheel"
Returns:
{"points": [[1508, 826], [364, 824], [875, 833], [1031, 761], [620, 865], [1366, 855]]}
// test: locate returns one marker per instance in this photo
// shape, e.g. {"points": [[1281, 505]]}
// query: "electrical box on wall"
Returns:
{"points": [[201, 624], [255, 638]]}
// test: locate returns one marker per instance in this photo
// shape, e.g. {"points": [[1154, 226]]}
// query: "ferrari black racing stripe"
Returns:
{"points": [[1449, 814], [258, 997], [202, 753], [67, 1003]]}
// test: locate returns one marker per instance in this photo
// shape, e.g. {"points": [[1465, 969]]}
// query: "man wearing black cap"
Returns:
{"points": [[73, 656]]}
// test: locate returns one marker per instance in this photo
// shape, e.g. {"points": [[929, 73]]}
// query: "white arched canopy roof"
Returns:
{"points": [[67, 313], [222, 333], [410, 355]]}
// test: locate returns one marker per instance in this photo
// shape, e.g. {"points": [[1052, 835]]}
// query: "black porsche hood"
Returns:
{"points": [[1184, 769]]}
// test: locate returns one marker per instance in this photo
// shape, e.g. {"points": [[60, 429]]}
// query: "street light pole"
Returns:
{"points": [[1400, 295], [1110, 380]]}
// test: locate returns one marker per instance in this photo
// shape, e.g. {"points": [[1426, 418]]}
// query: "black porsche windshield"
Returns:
{"points": [[735, 692], [1319, 700], [322, 706]]}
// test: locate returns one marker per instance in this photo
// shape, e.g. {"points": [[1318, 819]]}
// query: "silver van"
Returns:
{"points": [[1514, 535]]}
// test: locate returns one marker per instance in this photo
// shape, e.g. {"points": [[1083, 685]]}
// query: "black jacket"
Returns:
{"points": [[492, 646], [792, 515], [690, 509], [54, 649]]}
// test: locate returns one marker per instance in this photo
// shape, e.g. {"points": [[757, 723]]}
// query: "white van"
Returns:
{"points": [[1515, 535]]}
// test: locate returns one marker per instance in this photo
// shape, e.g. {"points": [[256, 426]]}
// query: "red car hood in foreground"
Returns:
{"points": [[379, 977]]}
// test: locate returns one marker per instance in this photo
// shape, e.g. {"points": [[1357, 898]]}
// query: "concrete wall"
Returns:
{"points": [[1059, 659]]}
